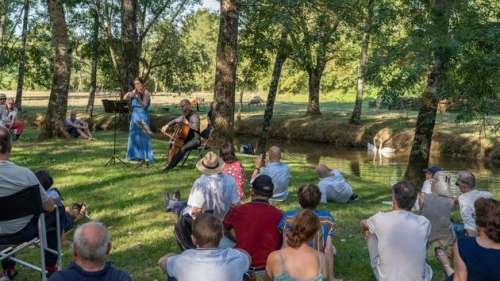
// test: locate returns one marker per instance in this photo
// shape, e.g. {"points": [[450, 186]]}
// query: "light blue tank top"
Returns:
{"points": [[284, 273]]}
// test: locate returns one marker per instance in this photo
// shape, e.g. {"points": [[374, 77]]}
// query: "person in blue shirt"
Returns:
{"points": [[309, 198]]}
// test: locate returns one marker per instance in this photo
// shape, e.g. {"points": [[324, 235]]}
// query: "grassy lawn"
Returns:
{"points": [[129, 200]]}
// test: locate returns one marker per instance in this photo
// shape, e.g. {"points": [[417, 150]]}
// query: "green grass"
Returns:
{"points": [[129, 201]]}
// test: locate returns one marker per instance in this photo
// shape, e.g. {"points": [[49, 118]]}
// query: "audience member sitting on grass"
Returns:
{"points": [[253, 225], [437, 207], [466, 182], [217, 189], [478, 258], [77, 128], [3, 109], [14, 179], [12, 122], [183, 229], [333, 186], [429, 175], [309, 198], [397, 240], [71, 215], [207, 262], [91, 247], [278, 171], [298, 261], [233, 167]]}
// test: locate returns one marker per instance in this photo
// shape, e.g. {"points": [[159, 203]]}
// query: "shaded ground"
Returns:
{"points": [[129, 200]]}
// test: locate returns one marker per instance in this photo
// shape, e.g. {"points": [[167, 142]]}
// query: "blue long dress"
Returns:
{"points": [[139, 143]]}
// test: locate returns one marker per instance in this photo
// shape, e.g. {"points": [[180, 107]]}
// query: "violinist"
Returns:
{"points": [[189, 118], [139, 139]]}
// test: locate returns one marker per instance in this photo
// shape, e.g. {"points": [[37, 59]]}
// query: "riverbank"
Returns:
{"points": [[458, 141]]}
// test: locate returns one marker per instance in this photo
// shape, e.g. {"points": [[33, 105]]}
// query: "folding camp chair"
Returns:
{"points": [[10, 209], [202, 149]]}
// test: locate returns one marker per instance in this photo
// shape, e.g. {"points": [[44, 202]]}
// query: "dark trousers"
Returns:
{"points": [[191, 144], [29, 232]]}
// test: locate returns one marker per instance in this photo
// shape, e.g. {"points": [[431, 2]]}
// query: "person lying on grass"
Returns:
{"points": [[333, 186]]}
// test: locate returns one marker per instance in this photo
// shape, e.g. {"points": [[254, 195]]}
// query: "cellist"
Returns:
{"points": [[190, 118]]}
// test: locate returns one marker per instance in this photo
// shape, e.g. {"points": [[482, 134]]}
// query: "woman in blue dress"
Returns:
{"points": [[139, 134]]}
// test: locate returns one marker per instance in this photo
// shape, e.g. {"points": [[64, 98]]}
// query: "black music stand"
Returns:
{"points": [[115, 107]]}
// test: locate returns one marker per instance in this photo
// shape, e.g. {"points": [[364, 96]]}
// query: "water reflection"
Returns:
{"points": [[358, 163]]}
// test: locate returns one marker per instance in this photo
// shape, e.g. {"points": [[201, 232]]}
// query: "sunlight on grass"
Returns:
{"points": [[129, 200]]}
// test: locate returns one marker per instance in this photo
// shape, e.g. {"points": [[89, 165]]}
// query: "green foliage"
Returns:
{"points": [[400, 64]]}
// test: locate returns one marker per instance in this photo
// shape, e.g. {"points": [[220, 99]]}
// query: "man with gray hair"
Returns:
{"points": [[333, 186], [91, 247], [466, 182]]}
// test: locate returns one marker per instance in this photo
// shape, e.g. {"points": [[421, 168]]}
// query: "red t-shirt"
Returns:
{"points": [[256, 228]]}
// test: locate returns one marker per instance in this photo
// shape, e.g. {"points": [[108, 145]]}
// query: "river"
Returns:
{"points": [[360, 163]]}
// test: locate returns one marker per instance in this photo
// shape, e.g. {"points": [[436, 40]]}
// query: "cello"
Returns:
{"points": [[178, 134]]}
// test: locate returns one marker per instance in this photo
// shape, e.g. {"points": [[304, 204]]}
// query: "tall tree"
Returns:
{"points": [[281, 56], [314, 31], [420, 151], [95, 52], [363, 60], [130, 55], [225, 73], [22, 56], [58, 100]]}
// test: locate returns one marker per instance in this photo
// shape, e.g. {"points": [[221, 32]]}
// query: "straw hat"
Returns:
{"points": [[210, 164]]}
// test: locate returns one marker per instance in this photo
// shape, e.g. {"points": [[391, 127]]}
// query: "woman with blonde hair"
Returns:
{"points": [[298, 261]]}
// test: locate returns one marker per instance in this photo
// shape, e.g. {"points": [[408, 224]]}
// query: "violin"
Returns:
{"points": [[178, 134]]}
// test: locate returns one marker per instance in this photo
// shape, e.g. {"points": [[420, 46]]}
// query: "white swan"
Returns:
{"points": [[386, 152]]}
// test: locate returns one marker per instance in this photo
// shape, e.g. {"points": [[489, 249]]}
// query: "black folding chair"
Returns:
{"points": [[21, 204], [202, 149]]}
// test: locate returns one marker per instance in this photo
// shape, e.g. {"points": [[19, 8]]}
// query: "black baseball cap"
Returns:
{"points": [[263, 185]]}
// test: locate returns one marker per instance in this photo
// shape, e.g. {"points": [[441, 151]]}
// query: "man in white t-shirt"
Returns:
{"points": [[207, 262], [333, 186], [466, 182], [397, 240], [216, 190]]}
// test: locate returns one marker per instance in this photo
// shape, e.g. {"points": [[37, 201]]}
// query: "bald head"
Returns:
{"points": [[92, 242], [274, 154], [323, 171]]}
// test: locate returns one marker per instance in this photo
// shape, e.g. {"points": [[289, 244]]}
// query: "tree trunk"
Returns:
{"points": [[363, 60], [22, 56], [58, 101], [314, 86], [225, 75], [3, 17], [95, 52], [420, 151], [281, 56], [130, 55]]}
